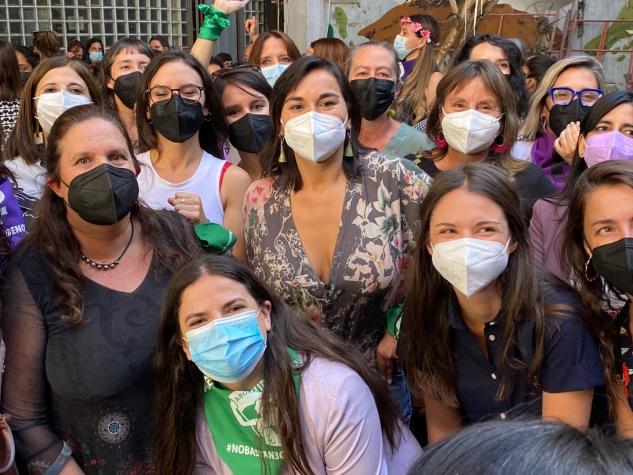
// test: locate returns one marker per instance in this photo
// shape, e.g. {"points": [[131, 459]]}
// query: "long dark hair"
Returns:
{"points": [[595, 292], [515, 58], [55, 242], [123, 45], [602, 107], [10, 83], [180, 383], [87, 46], [425, 327], [22, 140], [287, 174], [211, 132]]}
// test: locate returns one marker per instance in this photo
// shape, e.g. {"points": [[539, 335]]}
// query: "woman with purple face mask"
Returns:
{"points": [[605, 134]]}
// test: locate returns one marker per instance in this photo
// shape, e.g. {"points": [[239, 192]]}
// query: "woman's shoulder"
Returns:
{"points": [[258, 194], [385, 164]]}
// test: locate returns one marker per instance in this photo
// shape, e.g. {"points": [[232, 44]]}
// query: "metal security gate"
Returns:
{"points": [[109, 20]]}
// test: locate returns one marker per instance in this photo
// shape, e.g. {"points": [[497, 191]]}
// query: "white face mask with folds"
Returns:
{"points": [[470, 131], [470, 264], [53, 104], [314, 136]]}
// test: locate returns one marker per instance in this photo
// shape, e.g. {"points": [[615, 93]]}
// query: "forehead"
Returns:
{"points": [[487, 51], [63, 75], [211, 291], [620, 114], [233, 93], [609, 202], [577, 77], [104, 137], [175, 74], [273, 47], [316, 83], [373, 57], [450, 208], [130, 54], [474, 88]]}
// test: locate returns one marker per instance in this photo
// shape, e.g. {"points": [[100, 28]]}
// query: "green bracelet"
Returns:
{"points": [[215, 238], [392, 320], [214, 23]]}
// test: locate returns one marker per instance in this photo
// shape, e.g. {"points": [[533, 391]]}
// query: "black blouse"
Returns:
{"points": [[88, 385], [571, 362]]}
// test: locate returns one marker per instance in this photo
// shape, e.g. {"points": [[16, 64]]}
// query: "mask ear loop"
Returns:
{"points": [[589, 279]]}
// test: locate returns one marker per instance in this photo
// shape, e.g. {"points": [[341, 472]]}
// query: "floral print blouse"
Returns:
{"points": [[375, 243]]}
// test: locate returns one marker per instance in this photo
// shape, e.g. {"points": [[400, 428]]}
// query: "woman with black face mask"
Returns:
{"points": [[244, 93], [180, 129], [552, 125], [123, 65], [373, 74], [599, 249], [81, 305]]}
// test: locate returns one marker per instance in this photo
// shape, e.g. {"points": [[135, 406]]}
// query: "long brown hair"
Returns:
{"points": [[425, 326], [594, 292], [53, 239], [498, 85], [255, 55], [22, 140], [412, 99], [10, 83], [179, 387]]}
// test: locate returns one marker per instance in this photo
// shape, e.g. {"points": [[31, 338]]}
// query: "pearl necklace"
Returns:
{"points": [[111, 265]]}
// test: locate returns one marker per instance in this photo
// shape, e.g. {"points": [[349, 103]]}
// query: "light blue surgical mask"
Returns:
{"points": [[95, 56], [227, 349], [272, 73], [400, 45]]}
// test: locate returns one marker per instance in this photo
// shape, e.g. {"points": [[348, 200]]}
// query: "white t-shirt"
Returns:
{"points": [[205, 182], [31, 178]]}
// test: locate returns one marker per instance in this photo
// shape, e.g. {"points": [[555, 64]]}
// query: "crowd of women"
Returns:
{"points": [[317, 263]]}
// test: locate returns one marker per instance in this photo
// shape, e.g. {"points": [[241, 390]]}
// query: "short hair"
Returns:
{"points": [[47, 43], [224, 57], [73, 45], [161, 39], [526, 448], [380, 44]]}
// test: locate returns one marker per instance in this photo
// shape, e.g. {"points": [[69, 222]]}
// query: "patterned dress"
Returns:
{"points": [[374, 247]]}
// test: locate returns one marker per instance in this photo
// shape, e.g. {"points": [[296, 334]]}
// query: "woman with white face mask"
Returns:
{"points": [[56, 85], [486, 336], [249, 387], [331, 233], [474, 120]]}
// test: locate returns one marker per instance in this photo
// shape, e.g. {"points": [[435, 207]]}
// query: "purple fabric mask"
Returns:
{"points": [[608, 146]]}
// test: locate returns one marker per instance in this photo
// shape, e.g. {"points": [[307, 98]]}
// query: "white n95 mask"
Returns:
{"points": [[470, 131], [470, 264], [315, 136], [51, 105]]}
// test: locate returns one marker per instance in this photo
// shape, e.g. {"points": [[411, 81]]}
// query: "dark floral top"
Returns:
{"points": [[375, 243], [624, 353]]}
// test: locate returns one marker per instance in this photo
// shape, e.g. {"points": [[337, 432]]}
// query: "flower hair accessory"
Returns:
{"points": [[417, 27]]}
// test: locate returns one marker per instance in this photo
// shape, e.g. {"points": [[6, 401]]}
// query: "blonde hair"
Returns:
{"points": [[533, 122]]}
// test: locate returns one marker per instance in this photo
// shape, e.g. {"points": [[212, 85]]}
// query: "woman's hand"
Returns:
{"points": [[567, 143], [386, 356], [252, 28], [190, 206], [230, 6]]}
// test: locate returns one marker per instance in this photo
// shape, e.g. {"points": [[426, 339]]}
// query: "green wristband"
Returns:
{"points": [[392, 320], [214, 23]]}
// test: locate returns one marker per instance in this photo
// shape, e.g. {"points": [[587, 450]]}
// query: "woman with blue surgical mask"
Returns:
{"points": [[273, 52], [413, 37], [486, 334], [473, 120], [249, 387], [324, 216], [56, 85]]}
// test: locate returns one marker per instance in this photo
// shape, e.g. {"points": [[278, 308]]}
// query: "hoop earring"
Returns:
{"points": [[589, 279]]}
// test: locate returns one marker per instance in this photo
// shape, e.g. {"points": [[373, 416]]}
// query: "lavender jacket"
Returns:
{"points": [[546, 236], [339, 424]]}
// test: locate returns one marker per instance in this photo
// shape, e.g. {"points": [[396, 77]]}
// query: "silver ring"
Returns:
{"points": [[182, 201]]}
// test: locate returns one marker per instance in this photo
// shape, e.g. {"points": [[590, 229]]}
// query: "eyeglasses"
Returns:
{"points": [[188, 93], [563, 96], [227, 71]]}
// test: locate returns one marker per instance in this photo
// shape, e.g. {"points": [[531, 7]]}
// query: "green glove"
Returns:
{"points": [[215, 238], [392, 320], [214, 23]]}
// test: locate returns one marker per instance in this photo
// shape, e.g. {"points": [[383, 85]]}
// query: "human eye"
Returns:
{"points": [[266, 62], [295, 107], [604, 230], [285, 60], [257, 106], [446, 231], [628, 132], [118, 157], [82, 161]]}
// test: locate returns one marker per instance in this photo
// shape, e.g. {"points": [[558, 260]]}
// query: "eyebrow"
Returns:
{"points": [[322, 96], [118, 151], [602, 221], [68, 85], [480, 223]]}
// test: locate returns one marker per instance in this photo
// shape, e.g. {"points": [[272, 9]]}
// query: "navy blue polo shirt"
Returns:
{"points": [[571, 361]]}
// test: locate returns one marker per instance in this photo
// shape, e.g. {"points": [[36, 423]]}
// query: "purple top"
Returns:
{"points": [[407, 67], [11, 215], [546, 236], [543, 155]]}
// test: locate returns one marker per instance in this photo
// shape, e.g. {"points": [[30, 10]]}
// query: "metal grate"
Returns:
{"points": [[109, 20]]}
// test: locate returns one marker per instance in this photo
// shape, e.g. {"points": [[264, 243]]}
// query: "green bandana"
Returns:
{"points": [[239, 436]]}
